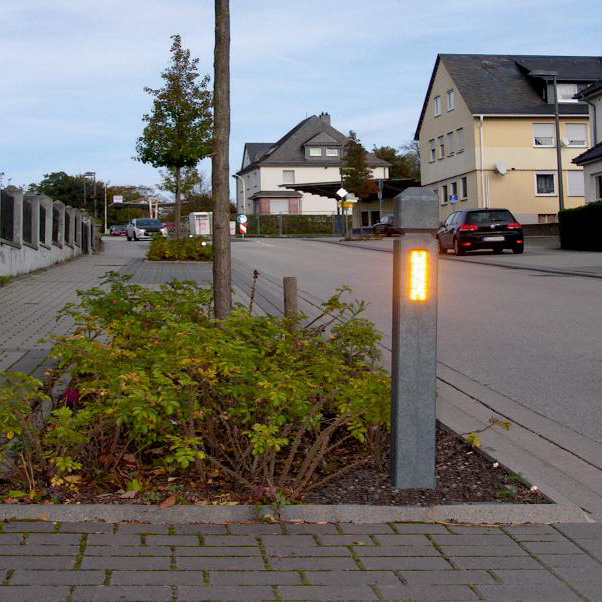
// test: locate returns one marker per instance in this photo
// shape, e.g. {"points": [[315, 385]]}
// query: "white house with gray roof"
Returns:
{"points": [[312, 152]]}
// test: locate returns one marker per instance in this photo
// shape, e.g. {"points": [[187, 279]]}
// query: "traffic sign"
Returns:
{"points": [[242, 227], [241, 218], [342, 192]]}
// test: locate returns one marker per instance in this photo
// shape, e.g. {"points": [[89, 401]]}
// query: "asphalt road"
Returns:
{"points": [[531, 336]]}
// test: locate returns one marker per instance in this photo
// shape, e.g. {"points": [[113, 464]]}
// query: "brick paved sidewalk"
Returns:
{"points": [[397, 561]]}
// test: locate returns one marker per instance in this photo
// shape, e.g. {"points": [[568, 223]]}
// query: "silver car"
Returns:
{"points": [[145, 227]]}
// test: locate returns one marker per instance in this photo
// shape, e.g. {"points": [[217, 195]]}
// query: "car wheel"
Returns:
{"points": [[518, 250], [129, 238], [442, 250], [497, 251], [457, 250]]}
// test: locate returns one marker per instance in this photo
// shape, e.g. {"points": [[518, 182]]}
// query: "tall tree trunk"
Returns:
{"points": [[178, 203], [220, 173]]}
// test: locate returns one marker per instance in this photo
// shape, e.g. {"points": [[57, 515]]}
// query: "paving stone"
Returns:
{"points": [[575, 574], [33, 593], [403, 540], [128, 551], [593, 547], [292, 552], [406, 563], [367, 529], [313, 564], [254, 578], [472, 530], [569, 560], [590, 589], [28, 527], [535, 533], [420, 528], [428, 592], [172, 540], [528, 577], [221, 564], [215, 551], [10, 540], [523, 592], [458, 577], [292, 540], [39, 551], [345, 540], [321, 592], [499, 539], [483, 551], [311, 528], [363, 551], [350, 578], [123, 563], [200, 529], [129, 528], [552, 547], [580, 530], [54, 539], [57, 578], [157, 578], [86, 528], [496, 562], [110, 593], [230, 540], [37, 562], [106, 539], [257, 529], [224, 592]]}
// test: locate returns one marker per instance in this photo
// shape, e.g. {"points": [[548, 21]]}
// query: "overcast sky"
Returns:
{"points": [[73, 71]]}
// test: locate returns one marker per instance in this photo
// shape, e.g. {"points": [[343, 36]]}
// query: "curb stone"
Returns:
{"points": [[508, 514]]}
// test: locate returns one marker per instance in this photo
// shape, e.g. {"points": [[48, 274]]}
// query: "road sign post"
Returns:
{"points": [[414, 357]]}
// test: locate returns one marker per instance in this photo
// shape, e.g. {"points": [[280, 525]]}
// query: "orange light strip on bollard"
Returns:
{"points": [[418, 274]]}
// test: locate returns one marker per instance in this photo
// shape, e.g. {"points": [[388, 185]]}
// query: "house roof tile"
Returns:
{"points": [[591, 154]]}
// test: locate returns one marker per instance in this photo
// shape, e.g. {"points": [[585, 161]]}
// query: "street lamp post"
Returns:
{"points": [[90, 174], [106, 222], [244, 193], [547, 76]]}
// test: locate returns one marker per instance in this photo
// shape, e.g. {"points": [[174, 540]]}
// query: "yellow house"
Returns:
{"points": [[487, 132]]}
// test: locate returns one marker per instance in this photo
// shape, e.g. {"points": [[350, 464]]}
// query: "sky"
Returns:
{"points": [[73, 72]]}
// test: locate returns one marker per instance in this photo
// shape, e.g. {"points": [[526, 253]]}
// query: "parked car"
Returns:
{"points": [[145, 227], [386, 226], [118, 231], [473, 229]]}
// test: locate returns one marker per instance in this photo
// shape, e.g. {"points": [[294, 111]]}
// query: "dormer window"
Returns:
{"points": [[566, 92], [315, 151], [332, 152]]}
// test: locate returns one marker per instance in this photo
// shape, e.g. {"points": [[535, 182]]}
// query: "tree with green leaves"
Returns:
{"points": [[190, 180], [179, 129], [405, 161], [356, 176]]}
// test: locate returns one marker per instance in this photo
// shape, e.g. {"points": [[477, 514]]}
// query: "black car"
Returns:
{"points": [[386, 226], [474, 229]]}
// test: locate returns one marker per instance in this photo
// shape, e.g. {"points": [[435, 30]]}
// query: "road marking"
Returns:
{"points": [[263, 244]]}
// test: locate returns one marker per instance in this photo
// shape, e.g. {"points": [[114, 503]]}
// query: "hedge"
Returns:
{"points": [[580, 228], [291, 225]]}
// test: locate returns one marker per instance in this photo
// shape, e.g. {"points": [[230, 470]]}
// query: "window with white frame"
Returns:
{"points": [[279, 206], [545, 184], [576, 134], [463, 188], [288, 176], [332, 152], [315, 151], [543, 134], [437, 105], [433, 151], [460, 138], [566, 92], [441, 141], [454, 190], [451, 100], [450, 143], [444, 194], [576, 183]]}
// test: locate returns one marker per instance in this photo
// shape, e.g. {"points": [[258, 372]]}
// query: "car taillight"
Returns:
{"points": [[468, 227], [513, 226]]}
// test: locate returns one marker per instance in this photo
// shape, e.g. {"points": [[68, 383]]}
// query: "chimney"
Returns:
{"points": [[325, 117]]}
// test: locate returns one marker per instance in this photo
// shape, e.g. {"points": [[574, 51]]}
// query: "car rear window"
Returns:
{"points": [[149, 223], [502, 216]]}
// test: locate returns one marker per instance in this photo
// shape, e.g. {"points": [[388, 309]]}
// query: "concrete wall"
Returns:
{"points": [[21, 255]]}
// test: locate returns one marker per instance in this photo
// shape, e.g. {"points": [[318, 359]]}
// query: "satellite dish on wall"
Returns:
{"points": [[500, 167], [565, 141]]}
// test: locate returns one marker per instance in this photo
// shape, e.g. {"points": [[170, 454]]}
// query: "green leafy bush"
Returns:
{"points": [[266, 403], [580, 227], [179, 249]]}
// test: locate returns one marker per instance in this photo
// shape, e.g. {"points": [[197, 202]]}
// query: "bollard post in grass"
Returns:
{"points": [[414, 356], [290, 296]]}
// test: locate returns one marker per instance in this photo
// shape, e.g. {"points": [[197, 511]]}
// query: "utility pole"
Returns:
{"points": [[106, 186], [222, 276]]}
